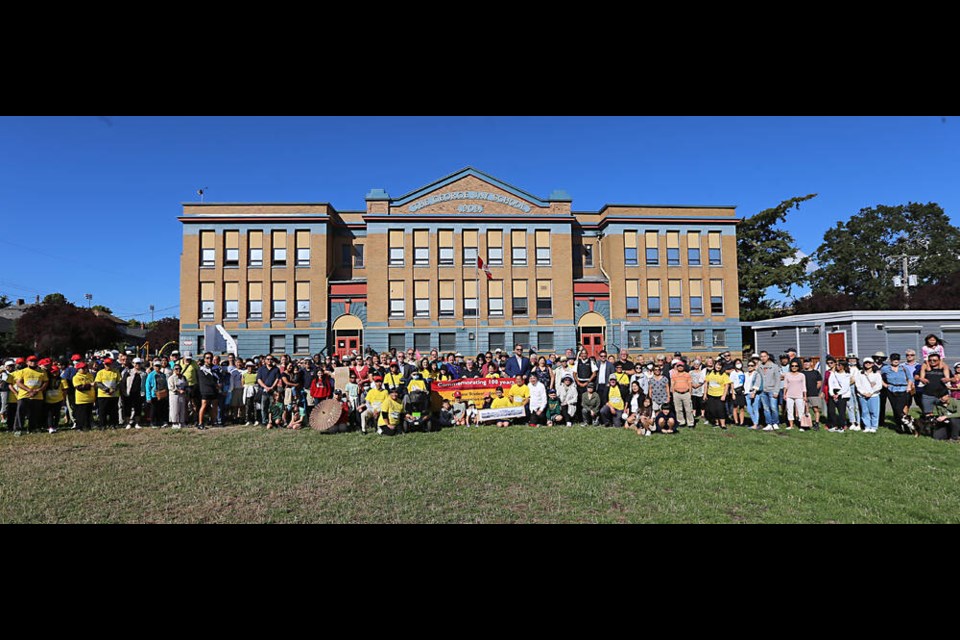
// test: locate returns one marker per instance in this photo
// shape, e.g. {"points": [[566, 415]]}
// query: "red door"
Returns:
{"points": [[593, 343], [837, 344], [346, 345]]}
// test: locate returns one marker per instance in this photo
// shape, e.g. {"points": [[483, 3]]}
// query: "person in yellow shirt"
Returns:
{"points": [[85, 395], [718, 388], [493, 370], [519, 394], [371, 403], [190, 371], [502, 402], [391, 412], [31, 385], [612, 412], [416, 383], [54, 397], [107, 383]]}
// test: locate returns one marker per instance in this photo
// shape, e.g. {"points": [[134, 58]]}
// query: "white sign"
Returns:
{"points": [[486, 415], [469, 195]]}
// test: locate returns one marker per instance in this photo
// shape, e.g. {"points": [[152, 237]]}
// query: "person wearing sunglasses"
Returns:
{"points": [[795, 393]]}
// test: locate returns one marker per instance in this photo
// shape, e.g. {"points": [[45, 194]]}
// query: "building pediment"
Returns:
{"points": [[470, 192]]}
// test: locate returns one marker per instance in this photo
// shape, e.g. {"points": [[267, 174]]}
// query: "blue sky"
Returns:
{"points": [[90, 203]]}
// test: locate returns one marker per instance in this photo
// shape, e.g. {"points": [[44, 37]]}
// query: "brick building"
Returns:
{"points": [[301, 278]]}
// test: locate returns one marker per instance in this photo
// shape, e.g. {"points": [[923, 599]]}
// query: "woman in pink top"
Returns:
{"points": [[932, 344], [795, 393]]}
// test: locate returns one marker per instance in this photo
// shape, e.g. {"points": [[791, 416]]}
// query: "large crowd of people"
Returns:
{"points": [[389, 393]]}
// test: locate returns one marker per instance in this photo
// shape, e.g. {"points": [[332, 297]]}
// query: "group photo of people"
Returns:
{"points": [[398, 391]]}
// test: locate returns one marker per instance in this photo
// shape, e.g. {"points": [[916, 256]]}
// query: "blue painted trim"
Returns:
{"points": [[377, 194], [282, 225], [413, 221], [559, 195], [469, 171], [189, 326], [318, 324]]}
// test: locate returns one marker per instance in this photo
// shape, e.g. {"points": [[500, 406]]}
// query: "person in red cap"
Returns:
{"points": [[108, 395], [85, 393], [31, 384], [459, 409], [67, 375], [54, 397]]}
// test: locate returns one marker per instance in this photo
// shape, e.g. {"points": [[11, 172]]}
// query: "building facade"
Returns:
{"points": [[307, 278]]}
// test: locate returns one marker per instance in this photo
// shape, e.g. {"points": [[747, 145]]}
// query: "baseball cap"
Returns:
{"points": [[249, 363], [137, 361], [33, 358], [20, 361], [158, 363], [378, 378], [456, 394], [188, 355], [174, 353], [75, 357], [81, 365], [9, 363], [867, 359], [879, 354], [108, 361]]}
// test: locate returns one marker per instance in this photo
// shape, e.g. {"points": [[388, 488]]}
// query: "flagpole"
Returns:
{"points": [[477, 267]]}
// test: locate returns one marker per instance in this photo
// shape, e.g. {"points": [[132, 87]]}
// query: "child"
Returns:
{"points": [[665, 421], [353, 391], [554, 409], [472, 414], [276, 411], [501, 402], [296, 418], [445, 418], [459, 410]]}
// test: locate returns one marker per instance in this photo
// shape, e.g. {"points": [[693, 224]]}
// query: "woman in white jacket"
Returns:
{"points": [[869, 382], [567, 394], [752, 387], [840, 392]]}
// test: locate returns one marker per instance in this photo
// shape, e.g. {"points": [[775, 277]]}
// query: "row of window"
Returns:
{"points": [[652, 249], [231, 250], [655, 337], [674, 297], [495, 298], [231, 301], [471, 247], [448, 341], [278, 344]]}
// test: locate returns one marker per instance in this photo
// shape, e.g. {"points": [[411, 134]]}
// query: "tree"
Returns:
{"points": [[4, 301], [54, 298], [101, 309], [859, 258], [163, 331], [768, 257], [824, 303], [56, 329]]}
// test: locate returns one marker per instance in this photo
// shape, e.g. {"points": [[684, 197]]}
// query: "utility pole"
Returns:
{"points": [[89, 297], [905, 280], [151, 313]]}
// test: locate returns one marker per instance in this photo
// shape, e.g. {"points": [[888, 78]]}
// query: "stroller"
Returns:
{"points": [[416, 409]]}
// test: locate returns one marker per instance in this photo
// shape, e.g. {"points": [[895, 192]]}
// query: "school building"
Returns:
{"points": [[301, 278]]}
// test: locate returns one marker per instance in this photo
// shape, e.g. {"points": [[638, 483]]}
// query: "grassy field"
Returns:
{"points": [[485, 475]]}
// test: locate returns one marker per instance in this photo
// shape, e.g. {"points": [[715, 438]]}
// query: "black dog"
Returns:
{"points": [[920, 426]]}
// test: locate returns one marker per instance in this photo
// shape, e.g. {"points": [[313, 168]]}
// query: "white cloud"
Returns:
{"points": [[798, 256]]}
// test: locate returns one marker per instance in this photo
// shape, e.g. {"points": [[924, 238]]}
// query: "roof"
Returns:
{"points": [[857, 316]]}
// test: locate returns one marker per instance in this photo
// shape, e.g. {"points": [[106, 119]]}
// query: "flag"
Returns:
{"points": [[485, 268]]}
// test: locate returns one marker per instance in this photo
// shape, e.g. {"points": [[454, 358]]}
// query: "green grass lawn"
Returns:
{"points": [[484, 475]]}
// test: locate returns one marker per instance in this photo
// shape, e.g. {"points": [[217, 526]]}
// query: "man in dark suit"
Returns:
{"points": [[517, 365]]}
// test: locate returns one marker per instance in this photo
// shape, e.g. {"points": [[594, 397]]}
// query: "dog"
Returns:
{"points": [[919, 426]]}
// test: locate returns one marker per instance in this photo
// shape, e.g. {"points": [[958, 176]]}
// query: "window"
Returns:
{"points": [[716, 297], [588, 255], [633, 296], [496, 340], [421, 342], [254, 301], [630, 248], [445, 241], [471, 244], [542, 239], [470, 299], [301, 344], [446, 299], [674, 299], [653, 248], [208, 254], [544, 298], [201, 343], [207, 309], [719, 337], [303, 301], [693, 248], [656, 339], [279, 301], [633, 338], [448, 342], [358, 256], [518, 243], [653, 297], [421, 248], [545, 341], [346, 255], [495, 248], [421, 299], [396, 299], [673, 248], [396, 341], [231, 298], [278, 344], [696, 338], [522, 338], [279, 241], [395, 239], [696, 297], [255, 242], [520, 297], [231, 244], [495, 297], [714, 243], [303, 248]]}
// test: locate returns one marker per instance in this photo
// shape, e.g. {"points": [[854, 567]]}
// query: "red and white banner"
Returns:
{"points": [[469, 388]]}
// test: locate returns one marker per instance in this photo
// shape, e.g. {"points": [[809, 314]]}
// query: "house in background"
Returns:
{"points": [[863, 333]]}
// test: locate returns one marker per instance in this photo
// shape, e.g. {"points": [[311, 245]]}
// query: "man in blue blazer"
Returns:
{"points": [[517, 365]]}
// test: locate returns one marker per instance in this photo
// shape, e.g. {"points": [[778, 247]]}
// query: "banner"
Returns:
{"points": [[469, 388], [507, 413]]}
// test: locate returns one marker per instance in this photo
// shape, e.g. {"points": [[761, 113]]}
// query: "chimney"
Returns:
{"points": [[38, 298], [19, 302]]}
